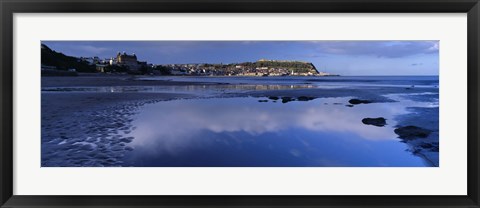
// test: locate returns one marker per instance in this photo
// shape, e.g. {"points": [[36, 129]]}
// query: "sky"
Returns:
{"points": [[336, 57]]}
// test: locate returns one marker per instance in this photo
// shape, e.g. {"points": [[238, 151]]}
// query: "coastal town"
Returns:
{"points": [[54, 63]]}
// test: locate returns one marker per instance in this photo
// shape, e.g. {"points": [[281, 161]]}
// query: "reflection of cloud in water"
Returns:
{"points": [[174, 125]]}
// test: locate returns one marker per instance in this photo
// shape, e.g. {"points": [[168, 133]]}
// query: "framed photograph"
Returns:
{"points": [[210, 103]]}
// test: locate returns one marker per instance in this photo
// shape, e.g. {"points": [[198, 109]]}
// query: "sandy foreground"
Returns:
{"points": [[89, 128]]}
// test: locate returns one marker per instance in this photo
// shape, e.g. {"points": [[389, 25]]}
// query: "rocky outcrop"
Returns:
{"points": [[358, 101], [412, 132], [273, 98], [287, 99], [375, 121], [305, 98]]}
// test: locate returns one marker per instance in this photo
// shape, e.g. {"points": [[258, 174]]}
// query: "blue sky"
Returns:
{"points": [[338, 57]]}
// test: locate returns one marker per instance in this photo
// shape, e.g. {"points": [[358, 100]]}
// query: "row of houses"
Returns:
{"points": [[234, 70], [122, 59]]}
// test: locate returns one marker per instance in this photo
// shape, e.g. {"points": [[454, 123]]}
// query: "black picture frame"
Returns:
{"points": [[9, 7]]}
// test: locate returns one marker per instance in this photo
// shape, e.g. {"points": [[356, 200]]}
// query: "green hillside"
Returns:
{"points": [[64, 62], [295, 66]]}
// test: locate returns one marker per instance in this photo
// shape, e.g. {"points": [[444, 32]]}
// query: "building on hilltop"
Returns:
{"points": [[130, 61]]}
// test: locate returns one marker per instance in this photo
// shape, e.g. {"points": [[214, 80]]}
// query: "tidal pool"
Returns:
{"points": [[261, 132]]}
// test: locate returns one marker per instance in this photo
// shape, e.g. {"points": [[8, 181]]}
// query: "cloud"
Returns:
{"points": [[92, 49], [315, 55], [383, 49]]}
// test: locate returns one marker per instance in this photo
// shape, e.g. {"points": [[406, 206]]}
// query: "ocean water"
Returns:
{"points": [[226, 84], [398, 81]]}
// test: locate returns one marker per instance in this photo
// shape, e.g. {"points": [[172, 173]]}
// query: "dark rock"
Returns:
{"points": [[412, 132], [262, 101], [273, 98], [358, 101], [349, 105], [374, 121], [426, 145], [287, 99], [431, 147], [305, 98]]}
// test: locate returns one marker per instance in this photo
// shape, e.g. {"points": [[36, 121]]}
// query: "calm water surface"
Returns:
{"points": [[243, 132]]}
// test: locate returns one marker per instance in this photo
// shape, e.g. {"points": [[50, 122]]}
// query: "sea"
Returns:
{"points": [[245, 129]]}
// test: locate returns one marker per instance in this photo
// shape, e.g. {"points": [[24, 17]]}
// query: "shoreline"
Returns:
{"points": [[108, 80]]}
